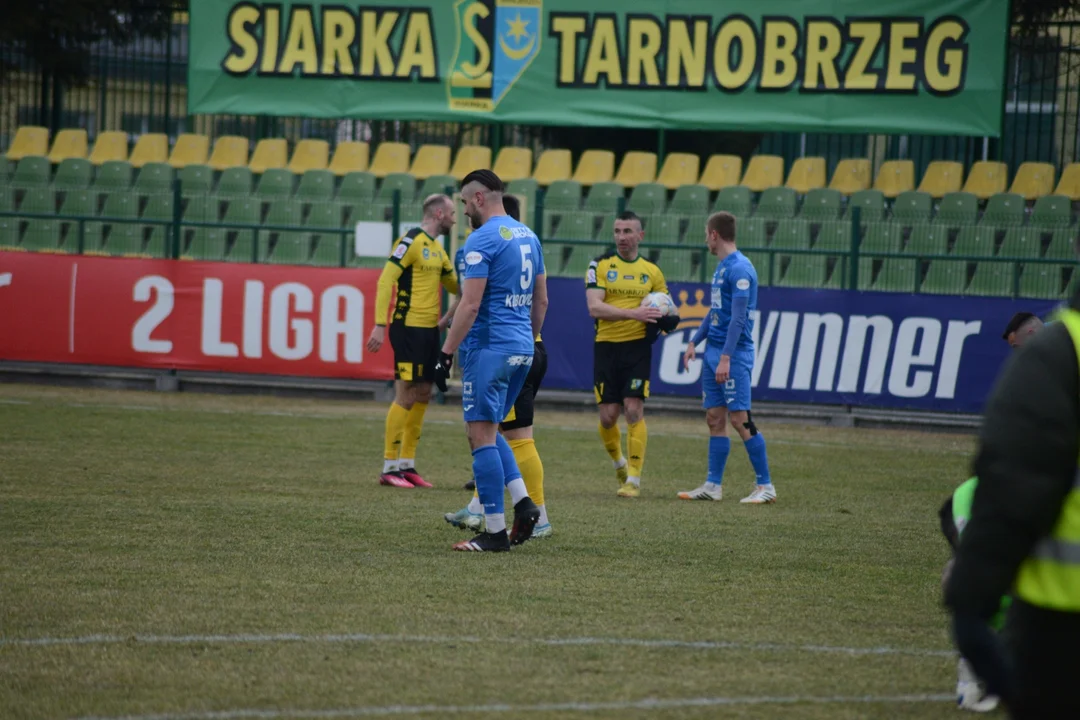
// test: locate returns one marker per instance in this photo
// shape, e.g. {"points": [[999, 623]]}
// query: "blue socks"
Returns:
{"points": [[509, 462], [755, 448], [490, 478], [719, 448]]}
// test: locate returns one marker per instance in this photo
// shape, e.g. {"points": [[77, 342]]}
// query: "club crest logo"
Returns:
{"points": [[612, 275], [506, 233], [497, 41]]}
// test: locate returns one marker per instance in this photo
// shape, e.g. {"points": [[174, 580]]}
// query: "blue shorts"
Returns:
{"points": [[735, 393], [491, 382]]}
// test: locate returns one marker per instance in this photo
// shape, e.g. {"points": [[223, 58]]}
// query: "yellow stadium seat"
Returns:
{"points": [[895, 177], [309, 155], [1069, 184], [987, 178], [29, 140], [229, 151], [430, 160], [390, 157], [851, 176], [807, 174], [764, 172], [636, 168], [679, 169], [270, 154], [513, 163], [553, 165], [469, 158], [149, 148], [941, 178], [190, 149], [112, 145], [68, 144], [595, 166], [1033, 180], [722, 171], [350, 156]]}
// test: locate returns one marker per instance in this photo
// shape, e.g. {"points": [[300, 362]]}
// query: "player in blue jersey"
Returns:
{"points": [[729, 362], [502, 308]]}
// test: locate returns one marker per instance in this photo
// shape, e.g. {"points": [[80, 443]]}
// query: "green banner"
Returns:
{"points": [[887, 66]]}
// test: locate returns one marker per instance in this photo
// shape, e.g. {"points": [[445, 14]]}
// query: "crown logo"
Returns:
{"points": [[690, 316]]}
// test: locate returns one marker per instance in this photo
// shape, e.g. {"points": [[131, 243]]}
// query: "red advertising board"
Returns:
{"points": [[225, 317]]}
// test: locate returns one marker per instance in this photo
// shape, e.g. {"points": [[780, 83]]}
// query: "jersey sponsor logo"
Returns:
{"points": [[518, 300], [717, 298], [506, 233], [519, 360], [612, 275], [627, 277], [473, 258], [401, 249], [743, 284]]}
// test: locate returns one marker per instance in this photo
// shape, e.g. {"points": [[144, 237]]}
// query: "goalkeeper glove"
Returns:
{"points": [[442, 370]]}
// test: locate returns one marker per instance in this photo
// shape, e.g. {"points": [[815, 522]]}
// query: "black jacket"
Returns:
{"points": [[1026, 462]]}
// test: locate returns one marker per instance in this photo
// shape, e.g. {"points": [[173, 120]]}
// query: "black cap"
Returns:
{"points": [[1017, 320], [486, 178]]}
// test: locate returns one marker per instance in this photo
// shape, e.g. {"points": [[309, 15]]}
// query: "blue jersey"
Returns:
{"points": [[508, 254], [734, 277], [459, 264]]}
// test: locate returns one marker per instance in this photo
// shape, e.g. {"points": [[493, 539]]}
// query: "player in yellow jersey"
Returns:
{"points": [[615, 285], [418, 265]]}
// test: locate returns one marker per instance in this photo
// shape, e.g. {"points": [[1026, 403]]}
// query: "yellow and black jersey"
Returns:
{"points": [[418, 265], [625, 285]]}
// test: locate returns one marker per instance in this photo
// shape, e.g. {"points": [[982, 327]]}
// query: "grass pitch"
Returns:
{"points": [[221, 557]]}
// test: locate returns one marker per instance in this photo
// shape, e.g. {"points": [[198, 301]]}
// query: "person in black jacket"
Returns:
{"points": [[1027, 468]]}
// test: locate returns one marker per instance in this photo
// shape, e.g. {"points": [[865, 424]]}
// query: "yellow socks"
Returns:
{"points": [[532, 469], [395, 429], [414, 423], [612, 438], [638, 436]]}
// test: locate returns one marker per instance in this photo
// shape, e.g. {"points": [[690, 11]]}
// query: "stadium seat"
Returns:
{"points": [[851, 176], [155, 178], [606, 233], [1022, 242], [776, 202], [679, 169], [941, 178], [42, 235], [190, 150], [563, 195], [871, 204], [945, 277], [513, 163], [682, 265], [327, 251], [7, 167], [309, 154], [111, 145], [722, 171], [1033, 180], [895, 177], [400, 182], [391, 158], [230, 151], [275, 183], [764, 172], [821, 204], [987, 178], [578, 259], [525, 187], [927, 240], [285, 246], [553, 166], [896, 275], [604, 198], [357, 186], [68, 144], [1062, 246], [270, 154], [834, 236], [437, 185], [751, 233], [595, 166], [636, 167], [73, 173], [1069, 183], [912, 207], [734, 199], [149, 148], [573, 226], [116, 238], [158, 237], [1052, 211], [660, 228], [882, 238], [39, 200], [29, 141], [791, 234], [113, 175], [761, 261], [244, 211], [430, 160], [316, 185], [807, 173], [690, 200], [32, 171], [235, 182], [957, 209], [807, 271], [695, 228], [195, 179], [647, 198], [77, 203], [469, 158], [1004, 209], [349, 156], [202, 243], [975, 241], [992, 278], [1042, 281]]}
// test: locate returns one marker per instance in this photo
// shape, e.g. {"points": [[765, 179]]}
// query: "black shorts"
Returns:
{"points": [[521, 416], [416, 350], [621, 370]]}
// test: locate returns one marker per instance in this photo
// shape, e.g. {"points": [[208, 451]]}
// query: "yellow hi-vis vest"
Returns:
{"points": [[1050, 577]]}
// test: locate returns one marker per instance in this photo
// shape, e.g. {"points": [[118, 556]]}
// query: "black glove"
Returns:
{"points": [[668, 323], [442, 370], [979, 645]]}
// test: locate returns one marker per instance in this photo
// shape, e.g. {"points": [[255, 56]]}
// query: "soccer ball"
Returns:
{"points": [[662, 302]]}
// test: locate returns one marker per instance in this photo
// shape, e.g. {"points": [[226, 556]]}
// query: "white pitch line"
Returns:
{"points": [[577, 707], [354, 638]]}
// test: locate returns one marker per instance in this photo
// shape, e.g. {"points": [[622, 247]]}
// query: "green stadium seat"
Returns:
{"points": [[912, 207], [992, 278], [776, 203], [285, 246], [975, 240], [572, 226], [690, 200], [881, 237], [235, 182], [316, 185], [1062, 245], [1052, 211], [32, 171], [834, 236], [117, 238], [6, 169], [276, 183], [357, 186], [821, 204], [927, 240], [39, 200], [694, 231], [578, 259], [73, 174], [7, 199], [112, 176], [750, 233], [9, 232], [791, 234], [648, 198], [806, 271], [838, 273], [760, 261], [159, 206], [327, 251], [42, 235], [563, 195], [366, 212], [437, 185], [661, 228], [326, 216], [896, 275], [682, 265], [77, 203], [1023, 242], [244, 211], [604, 197], [945, 277], [735, 200], [871, 204], [154, 178], [1043, 281], [1004, 210], [400, 182], [554, 257], [202, 243], [526, 187], [866, 273], [196, 179], [957, 209]]}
